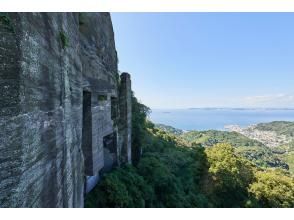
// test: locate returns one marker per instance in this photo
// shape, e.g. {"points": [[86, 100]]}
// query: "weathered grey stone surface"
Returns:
{"points": [[59, 93], [125, 126]]}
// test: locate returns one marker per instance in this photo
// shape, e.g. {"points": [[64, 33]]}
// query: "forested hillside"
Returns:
{"points": [[280, 127], [169, 129], [285, 151], [177, 172], [253, 150], [211, 137]]}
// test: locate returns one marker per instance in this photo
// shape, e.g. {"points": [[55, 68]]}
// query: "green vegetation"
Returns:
{"points": [[273, 188], [177, 172], [81, 18], [289, 159], [169, 129], [262, 157], [139, 128], [280, 127], [212, 137], [64, 40], [121, 188], [167, 175], [4, 19], [6, 22], [287, 155], [230, 176], [284, 152], [102, 98], [253, 150]]}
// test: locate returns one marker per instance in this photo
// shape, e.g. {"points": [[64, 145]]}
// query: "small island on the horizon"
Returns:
{"points": [[241, 109], [218, 118]]}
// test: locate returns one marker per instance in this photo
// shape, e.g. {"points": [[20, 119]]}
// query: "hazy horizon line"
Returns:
{"points": [[272, 108]]}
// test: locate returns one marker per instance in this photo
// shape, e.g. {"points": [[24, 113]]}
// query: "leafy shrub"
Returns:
{"points": [[121, 188], [273, 188], [230, 174]]}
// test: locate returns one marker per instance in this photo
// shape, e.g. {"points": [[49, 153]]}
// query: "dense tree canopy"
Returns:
{"points": [[231, 175], [175, 173], [273, 188]]}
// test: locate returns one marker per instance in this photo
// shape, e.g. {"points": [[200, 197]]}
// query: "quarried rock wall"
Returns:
{"points": [[60, 115]]}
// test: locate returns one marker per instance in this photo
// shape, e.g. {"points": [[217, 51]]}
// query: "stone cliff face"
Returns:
{"points": [[65, 111]]}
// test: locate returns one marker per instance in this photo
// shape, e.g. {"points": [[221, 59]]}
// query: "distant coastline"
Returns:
{"points": [[168, 110], [218, 118], [243, 109]]}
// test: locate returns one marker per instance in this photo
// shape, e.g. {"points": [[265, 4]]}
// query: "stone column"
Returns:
{"points": [[125, 122]]}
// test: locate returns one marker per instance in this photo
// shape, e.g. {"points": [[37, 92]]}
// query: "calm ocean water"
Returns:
{"points": [[205, 119]]}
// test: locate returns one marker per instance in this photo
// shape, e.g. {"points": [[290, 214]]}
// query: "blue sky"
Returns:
{"points": [[182, 60]]}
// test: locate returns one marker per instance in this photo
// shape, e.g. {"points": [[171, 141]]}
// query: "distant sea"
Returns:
{"points": [[217, 118]]}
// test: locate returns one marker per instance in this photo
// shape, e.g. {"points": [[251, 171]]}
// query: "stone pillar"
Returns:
{"points": [[125, 124]]}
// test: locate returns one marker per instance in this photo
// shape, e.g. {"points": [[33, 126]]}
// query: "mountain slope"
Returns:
{"points": [[253, 150], [169, 129], [280, 127]]}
